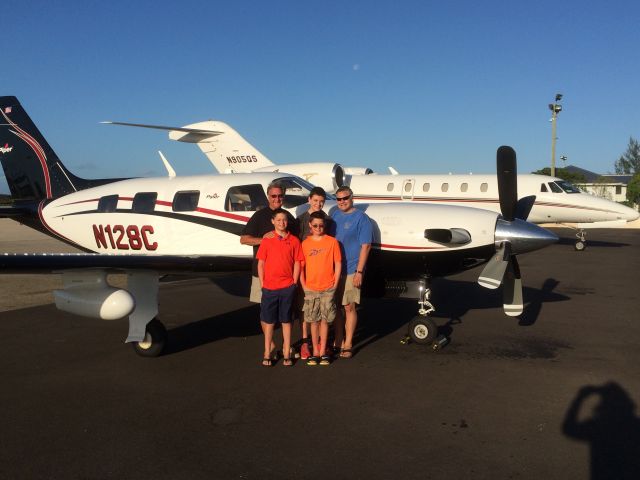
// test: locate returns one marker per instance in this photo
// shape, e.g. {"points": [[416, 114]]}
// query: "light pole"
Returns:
{"points": [[555, 108]]}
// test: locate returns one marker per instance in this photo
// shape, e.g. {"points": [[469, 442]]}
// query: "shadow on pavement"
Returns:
{"points": [[612, 431]]}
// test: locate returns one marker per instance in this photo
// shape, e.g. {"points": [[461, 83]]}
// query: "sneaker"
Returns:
{"points": [[312, 361], [305, 353]]}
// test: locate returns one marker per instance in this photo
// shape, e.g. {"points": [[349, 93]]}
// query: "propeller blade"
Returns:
{"points": [[524, 206], [493, 272], [512, 290], [507, 181]]}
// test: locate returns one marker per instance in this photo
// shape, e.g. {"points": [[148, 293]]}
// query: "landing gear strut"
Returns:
{"points": [[581, 242], [423, 330]]}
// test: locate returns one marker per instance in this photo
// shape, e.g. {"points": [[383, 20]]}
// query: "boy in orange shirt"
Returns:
{"points": [[319, 278], [279, 258]]}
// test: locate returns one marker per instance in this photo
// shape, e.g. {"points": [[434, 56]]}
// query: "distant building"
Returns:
{"points": [[609, 186]]}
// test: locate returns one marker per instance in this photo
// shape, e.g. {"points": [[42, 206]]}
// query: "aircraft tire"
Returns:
{"points": [[154, 340], [580, 245], [422, 330]]}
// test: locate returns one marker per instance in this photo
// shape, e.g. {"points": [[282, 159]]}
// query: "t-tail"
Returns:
{"points": [[33, 171], [225, 148]]}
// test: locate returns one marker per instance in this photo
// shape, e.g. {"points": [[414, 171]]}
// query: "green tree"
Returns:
{"points": [[575, 178], [629, 161], [633, 189]]}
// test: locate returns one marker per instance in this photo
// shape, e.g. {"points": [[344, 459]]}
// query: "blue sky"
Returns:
{"points": [[424, 86]]}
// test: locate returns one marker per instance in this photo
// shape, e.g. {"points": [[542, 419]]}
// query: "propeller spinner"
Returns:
{"points": [[513, 235]]}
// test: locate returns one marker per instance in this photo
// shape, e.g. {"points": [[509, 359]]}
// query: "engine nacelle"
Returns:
{"points": [[357, 171], [87, 293], [329, 176]]}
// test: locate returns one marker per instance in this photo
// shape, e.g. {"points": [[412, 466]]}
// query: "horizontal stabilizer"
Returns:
{"points": [[199, 131]]}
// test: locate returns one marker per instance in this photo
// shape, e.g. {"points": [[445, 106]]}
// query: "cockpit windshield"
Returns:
{"points": [[567, 187], [297, 191]]}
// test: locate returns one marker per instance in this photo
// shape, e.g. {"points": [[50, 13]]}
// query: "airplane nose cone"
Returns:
{"points": [[523, 236], [630, 214]]}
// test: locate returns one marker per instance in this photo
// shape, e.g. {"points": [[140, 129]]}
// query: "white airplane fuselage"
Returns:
{"points": [[105, 219], [553, 204]]}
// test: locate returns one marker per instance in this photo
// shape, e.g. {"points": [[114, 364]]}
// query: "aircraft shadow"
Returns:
{"points": [[612, 431], [591, 243], [238, 323], [453, 299]]}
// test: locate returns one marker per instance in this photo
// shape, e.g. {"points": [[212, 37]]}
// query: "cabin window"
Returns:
{"points": [[464, 187], [297, 191], [408, 187], [543, 187], [245, 198], [390, 187], [186, 201], [445, 187], [484, 187], [144, 202], [555, 188], [108, 204], [425, 187]]}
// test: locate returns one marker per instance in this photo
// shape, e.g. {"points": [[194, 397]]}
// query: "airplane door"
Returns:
{"points": [[407, 189]]}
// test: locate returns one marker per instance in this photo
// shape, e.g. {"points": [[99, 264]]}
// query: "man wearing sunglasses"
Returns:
{"points": [[260, 225], [354, 231]]}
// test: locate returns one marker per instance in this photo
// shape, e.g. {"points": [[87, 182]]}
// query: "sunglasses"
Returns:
{"points": [[317, 225], [343, 199], [277, 196]]}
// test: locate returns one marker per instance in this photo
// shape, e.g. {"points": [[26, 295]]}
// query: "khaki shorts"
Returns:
{"points": [[319, 306], [256, 290], [346, 291]]}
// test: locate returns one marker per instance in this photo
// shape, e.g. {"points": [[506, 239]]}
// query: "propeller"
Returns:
{"points": [[503, 267]]}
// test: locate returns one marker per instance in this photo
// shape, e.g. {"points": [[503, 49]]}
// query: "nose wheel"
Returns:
{"points": [[422, 330], [581, 242]]}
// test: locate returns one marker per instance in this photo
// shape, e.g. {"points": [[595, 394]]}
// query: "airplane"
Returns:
{"points": [[557, 201], [229, 152], [148, 227]]}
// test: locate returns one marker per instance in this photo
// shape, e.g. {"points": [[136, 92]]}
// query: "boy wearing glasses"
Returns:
{"points": [[319, 278], [354, 231], [317, 197], [279, 258]]}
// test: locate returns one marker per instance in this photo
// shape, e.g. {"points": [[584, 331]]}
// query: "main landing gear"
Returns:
{"points": [[154, 340]]}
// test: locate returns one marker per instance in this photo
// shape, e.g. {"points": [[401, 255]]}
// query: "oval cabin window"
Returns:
{"points": [[464, 187], [445, 187], [390, 187], [484, 187]]}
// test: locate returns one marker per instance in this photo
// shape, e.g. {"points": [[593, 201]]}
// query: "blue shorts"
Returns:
{"points": [[276, 305]]}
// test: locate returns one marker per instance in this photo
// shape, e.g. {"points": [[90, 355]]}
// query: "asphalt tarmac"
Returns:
{"points": [[494, 403]]}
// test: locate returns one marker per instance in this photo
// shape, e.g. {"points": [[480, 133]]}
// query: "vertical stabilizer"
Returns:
{"points": [[224, 147], [32, 169]]}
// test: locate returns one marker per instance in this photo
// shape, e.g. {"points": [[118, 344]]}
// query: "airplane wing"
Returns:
{"points": [[164, 264]]}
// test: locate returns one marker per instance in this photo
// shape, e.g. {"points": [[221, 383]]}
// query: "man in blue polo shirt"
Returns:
{"points": [[354, 231]]}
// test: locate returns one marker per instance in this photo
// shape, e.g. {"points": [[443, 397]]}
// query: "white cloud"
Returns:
{"points": [[356, 67]]}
